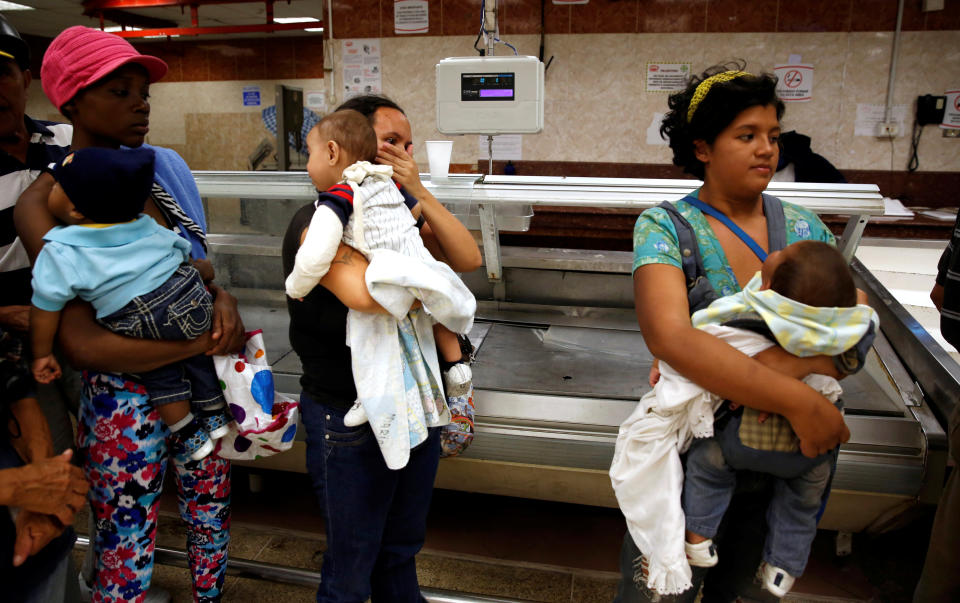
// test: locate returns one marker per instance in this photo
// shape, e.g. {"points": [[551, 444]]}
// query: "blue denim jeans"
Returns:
{"points": [[181, 308], [375, 517], [791, 515]]}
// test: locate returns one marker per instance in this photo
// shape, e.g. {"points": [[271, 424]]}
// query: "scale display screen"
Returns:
{"points": [[487, 86]]}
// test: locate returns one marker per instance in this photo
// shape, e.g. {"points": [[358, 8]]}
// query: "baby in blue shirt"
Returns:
{"points": [[139, 279]]}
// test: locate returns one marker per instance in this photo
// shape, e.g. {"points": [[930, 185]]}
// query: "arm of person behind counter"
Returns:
{"points": [[443, 234], [86, 343], [662, 312]]}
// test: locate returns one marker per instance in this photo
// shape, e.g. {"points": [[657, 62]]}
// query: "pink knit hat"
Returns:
{"points": [[80, 56]]}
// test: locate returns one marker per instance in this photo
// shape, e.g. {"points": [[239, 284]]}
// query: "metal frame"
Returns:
{"points": [[860, 201]]}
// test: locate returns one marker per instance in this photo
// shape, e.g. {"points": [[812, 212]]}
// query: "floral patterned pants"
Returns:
{"points": [[125, 450]]}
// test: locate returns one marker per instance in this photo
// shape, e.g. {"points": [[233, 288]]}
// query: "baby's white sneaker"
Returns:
{"points": [[355, 416], [775, 579], [702, 554]]}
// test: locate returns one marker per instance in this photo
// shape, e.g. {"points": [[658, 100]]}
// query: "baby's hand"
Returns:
{"points": [[654, 372], [45, 369], [205, 268]]}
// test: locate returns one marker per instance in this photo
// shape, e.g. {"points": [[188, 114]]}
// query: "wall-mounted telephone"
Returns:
{"points": [[930, 109]]}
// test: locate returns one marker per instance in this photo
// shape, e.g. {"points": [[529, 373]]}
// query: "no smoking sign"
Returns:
{"points": [[794, 82]]}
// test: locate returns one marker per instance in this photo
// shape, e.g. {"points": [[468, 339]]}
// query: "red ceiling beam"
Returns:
{"points": [[224, 29], [93, 6], [132, 19]]}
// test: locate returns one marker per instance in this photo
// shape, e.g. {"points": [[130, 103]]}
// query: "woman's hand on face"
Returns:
{"points": [[405, 169], [227, 334]]}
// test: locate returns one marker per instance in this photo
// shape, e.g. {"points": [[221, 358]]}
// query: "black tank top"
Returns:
{"points": [[318, 330]]}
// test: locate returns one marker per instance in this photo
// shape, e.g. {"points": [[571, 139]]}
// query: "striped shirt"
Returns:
{"points": [[384, 220], [49, 142], [948, 277]]}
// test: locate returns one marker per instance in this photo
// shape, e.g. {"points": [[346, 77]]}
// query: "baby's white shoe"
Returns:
{"points": [[458, 379], [775, 580], [702, 554], [355, 416]]}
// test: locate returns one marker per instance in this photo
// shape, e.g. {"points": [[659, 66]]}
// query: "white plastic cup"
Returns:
{"points": [[438, 153]]}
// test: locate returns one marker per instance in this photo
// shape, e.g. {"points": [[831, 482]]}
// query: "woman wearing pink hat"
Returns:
{"points": [[101, 84]]}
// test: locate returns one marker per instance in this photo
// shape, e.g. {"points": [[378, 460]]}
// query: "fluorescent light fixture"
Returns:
{"points": [[114, 28], [14, 6], [295, 20], [313, 29]]}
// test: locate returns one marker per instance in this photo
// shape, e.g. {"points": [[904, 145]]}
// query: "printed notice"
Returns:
{"points": [[361, 67], [869, 118], [951, 112], [315, 99], [570, 1], [667, 77], [794, 82], [653, 132], [251, 96], [411, 17], [505, 146]]}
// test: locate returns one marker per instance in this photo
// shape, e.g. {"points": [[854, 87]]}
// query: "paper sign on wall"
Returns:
{"points": [[561, 2], [315, 99], [411, 16], [251, 96], [505, 146], [951, 112], [794, 82], [869, 118], [667, 77], [653, 132], [361, 67]]}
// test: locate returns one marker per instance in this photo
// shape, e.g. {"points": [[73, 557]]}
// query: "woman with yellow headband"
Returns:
{"points": [[724, 129]]}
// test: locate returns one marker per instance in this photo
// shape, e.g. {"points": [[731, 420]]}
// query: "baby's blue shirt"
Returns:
{"points": [[106, 266]]}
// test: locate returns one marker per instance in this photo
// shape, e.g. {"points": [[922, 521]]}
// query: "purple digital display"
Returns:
{"points": [[488, 87], [496, 93]]}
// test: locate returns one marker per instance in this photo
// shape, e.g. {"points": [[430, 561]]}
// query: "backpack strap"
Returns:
{"points": [[700, 292], [755, 325], [776, 223]]}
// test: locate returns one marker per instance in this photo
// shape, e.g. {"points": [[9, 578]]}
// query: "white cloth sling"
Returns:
{"points": [[394, 358], [646, 473]]}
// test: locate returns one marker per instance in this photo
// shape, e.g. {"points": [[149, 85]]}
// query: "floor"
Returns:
{"points": [[516, 548]]}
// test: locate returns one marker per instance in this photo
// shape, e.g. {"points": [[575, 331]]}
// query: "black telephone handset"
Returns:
{"points": [[930, 109]]}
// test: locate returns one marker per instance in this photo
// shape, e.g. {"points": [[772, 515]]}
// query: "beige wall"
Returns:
{"points": [[597, 110], [596, 107]]}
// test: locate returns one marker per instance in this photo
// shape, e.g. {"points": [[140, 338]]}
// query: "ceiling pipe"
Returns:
{"points": [[224, 29]]}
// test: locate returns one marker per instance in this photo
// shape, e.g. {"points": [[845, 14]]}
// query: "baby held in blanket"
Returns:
{"points": [[803, 300], [394, 356]]}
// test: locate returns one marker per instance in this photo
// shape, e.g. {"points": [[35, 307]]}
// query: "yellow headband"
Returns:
{"points": [[7, 55], [704, 87]]}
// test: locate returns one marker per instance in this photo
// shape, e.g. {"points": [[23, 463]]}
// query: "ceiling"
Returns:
{"points": [[53, 16]]}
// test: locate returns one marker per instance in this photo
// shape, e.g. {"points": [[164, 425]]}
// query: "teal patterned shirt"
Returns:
{"points": [[655, 240]]}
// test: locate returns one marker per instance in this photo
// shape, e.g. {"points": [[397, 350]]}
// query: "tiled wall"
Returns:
{"points": [[597, 110], [245, 59], [374, 18]]}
